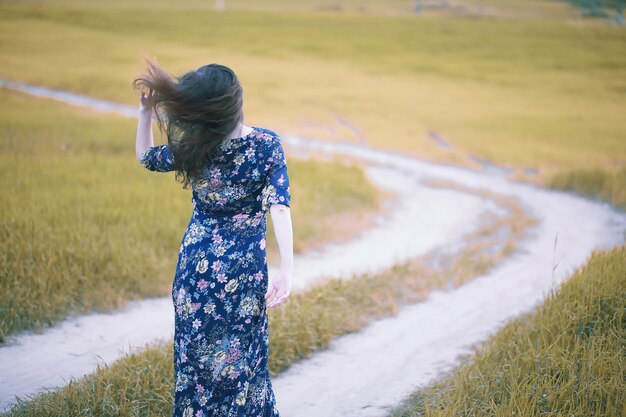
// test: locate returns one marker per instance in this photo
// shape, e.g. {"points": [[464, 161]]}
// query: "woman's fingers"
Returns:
{"points": [[275, 292], [271, 290], [147, 97], [276, 301], [280, 288], [280, 294]]}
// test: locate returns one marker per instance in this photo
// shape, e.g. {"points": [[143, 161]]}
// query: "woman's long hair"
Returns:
{"points": [[196, 111]]}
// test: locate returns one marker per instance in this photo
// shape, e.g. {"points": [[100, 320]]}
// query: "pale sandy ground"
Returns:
{"points": [[361, 374]]}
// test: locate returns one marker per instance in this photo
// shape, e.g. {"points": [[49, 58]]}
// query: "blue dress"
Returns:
{"points": [[221, 325]]}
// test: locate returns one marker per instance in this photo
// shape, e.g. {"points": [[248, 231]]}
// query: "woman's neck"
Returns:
{"points": [[240, 131]]}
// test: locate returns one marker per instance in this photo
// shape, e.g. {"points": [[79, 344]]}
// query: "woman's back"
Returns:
{"points": [[245, 176]]}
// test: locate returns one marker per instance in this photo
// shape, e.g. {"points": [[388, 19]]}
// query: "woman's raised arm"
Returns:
{"points": [[144, 128]]}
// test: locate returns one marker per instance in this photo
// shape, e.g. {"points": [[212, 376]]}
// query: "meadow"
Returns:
{"points": [[594, 183], [521, 83], [141, 383], [85, 227], [544, 91], [563, 358]]}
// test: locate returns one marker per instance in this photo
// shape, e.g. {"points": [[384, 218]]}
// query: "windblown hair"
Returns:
{"points": [[196, 112]]}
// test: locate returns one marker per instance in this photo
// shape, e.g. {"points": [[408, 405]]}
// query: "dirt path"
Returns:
{"points": [[363, 373], [369, 372]]}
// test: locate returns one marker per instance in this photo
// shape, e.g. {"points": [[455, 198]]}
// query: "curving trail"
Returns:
{"points": [[369, 372], [364, 373]]}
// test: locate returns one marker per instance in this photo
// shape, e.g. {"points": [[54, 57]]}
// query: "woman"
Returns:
{"points": [[220, 292]]}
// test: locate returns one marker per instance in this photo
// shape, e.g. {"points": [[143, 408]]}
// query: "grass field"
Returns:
{"points": [[524, 83], [564, 358], [594, 183], [547, 93], [141, 383], [510, 9], [84, 226]]}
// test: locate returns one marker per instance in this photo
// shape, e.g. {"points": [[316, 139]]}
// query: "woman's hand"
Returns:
{"points": [[145, 102], [279, 288]]}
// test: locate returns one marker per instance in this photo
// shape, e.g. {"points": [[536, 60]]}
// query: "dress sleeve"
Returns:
{"points": [[158, 158], [276, 186]]}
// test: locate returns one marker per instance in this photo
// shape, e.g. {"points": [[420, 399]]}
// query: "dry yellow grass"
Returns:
{"points": [[528, 83], [308, 321], [566, 357], [84, 227], [526, 92]]}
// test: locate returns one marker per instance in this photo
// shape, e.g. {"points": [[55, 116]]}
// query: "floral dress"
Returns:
{"points": [[221, 325]]}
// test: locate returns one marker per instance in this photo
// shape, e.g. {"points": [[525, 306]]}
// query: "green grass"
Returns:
{"points": [[141, 383], [565, 358], [85, 227]]}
